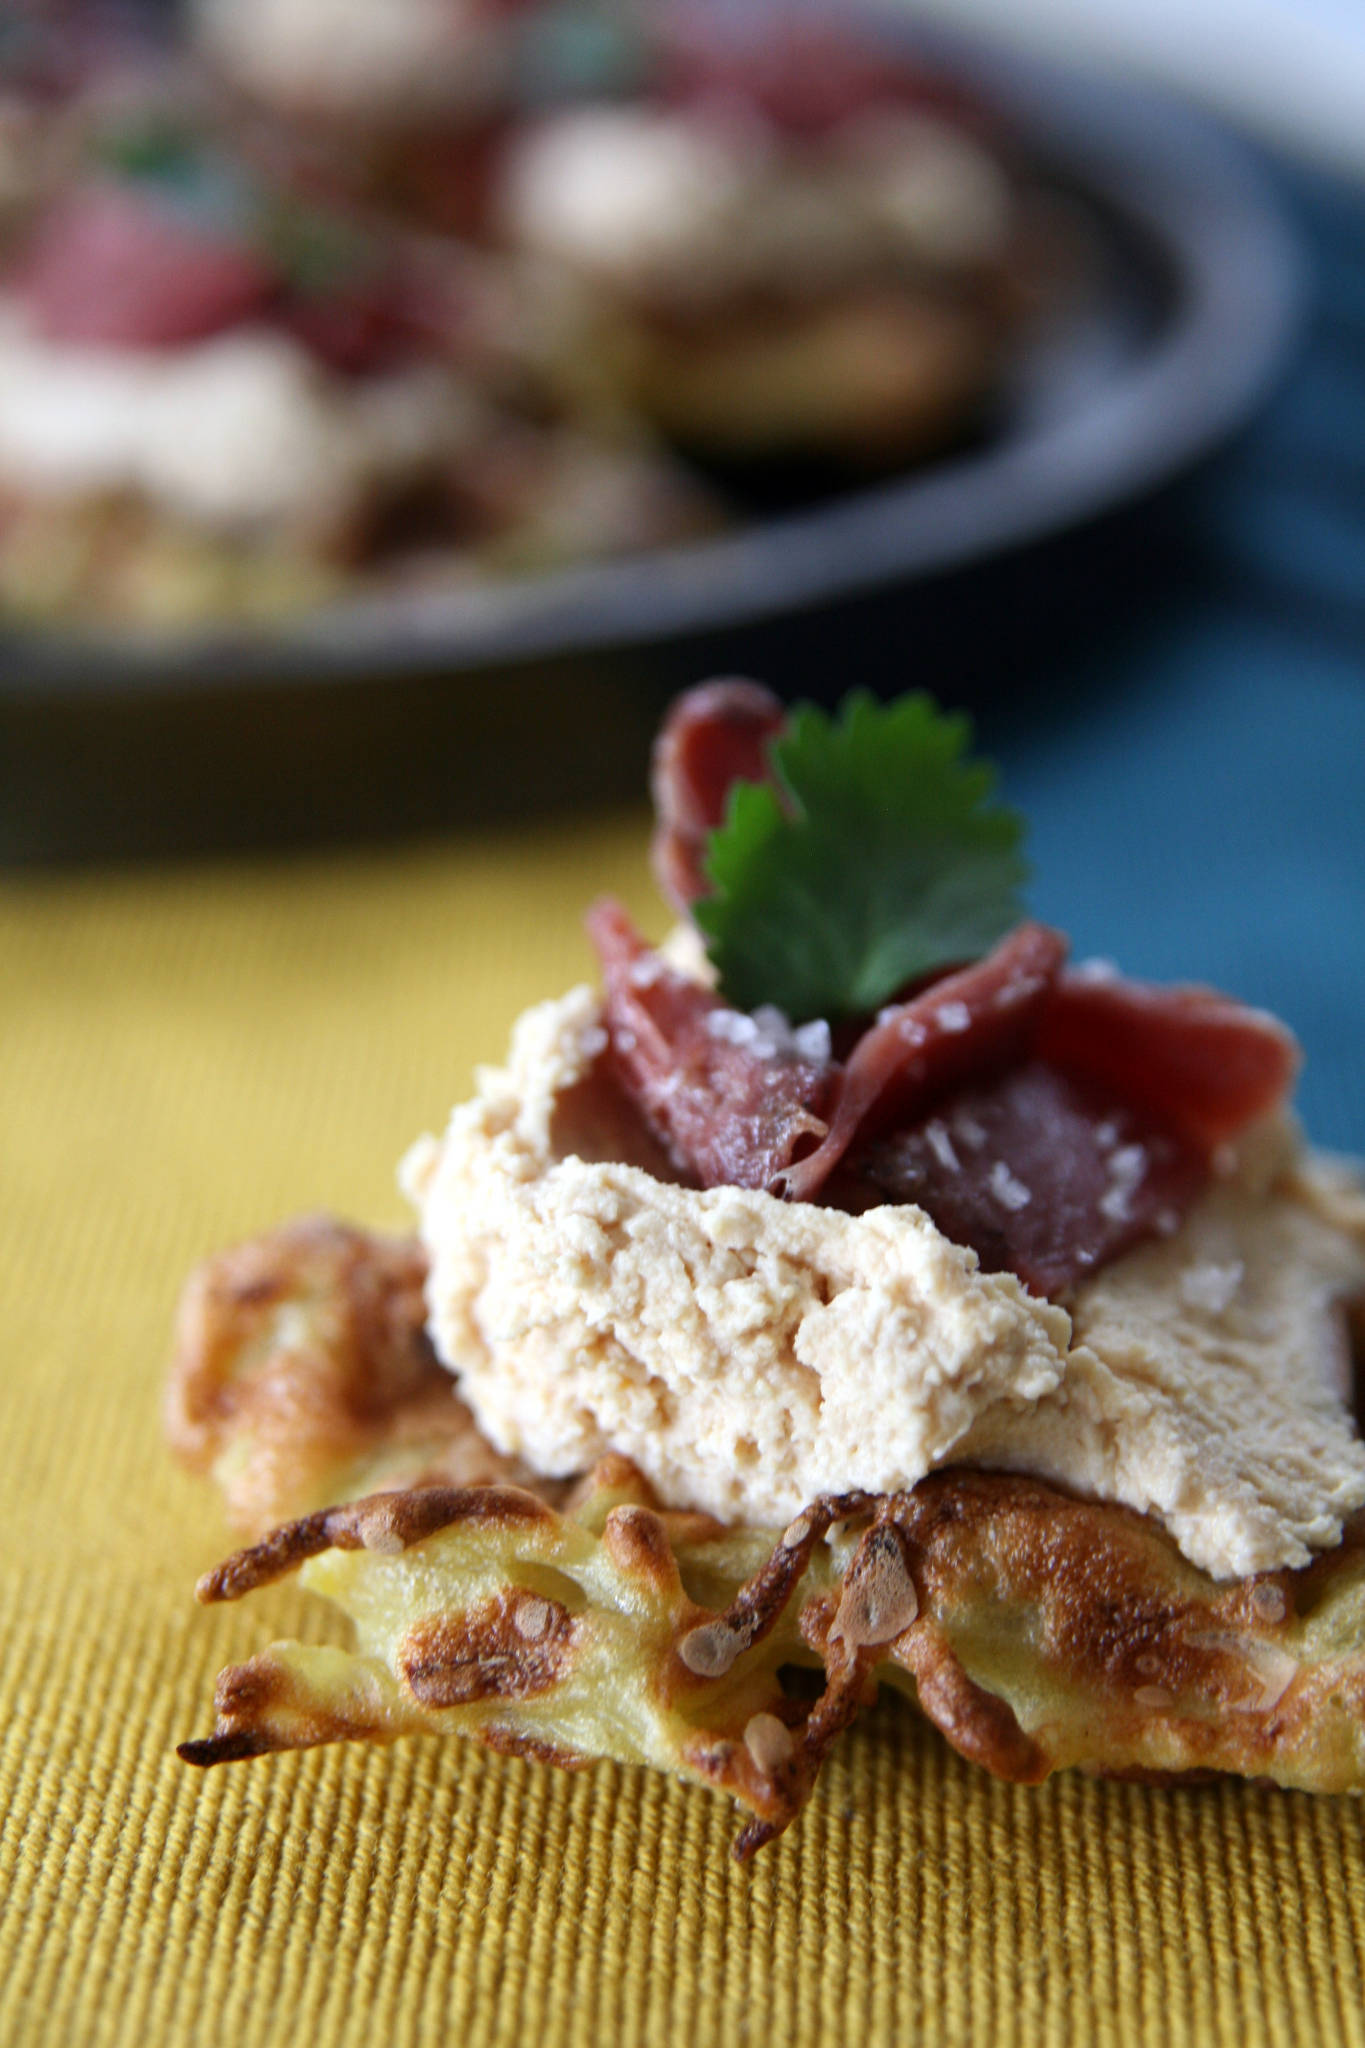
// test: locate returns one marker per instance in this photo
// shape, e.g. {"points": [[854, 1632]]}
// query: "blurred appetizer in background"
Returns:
{"points": [[400, 66], [51, 54], [219, 395], [801, 249], [338, 297], [401, 102]]}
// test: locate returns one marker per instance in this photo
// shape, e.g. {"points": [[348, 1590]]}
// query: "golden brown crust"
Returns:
{"points": [[878, 375], [1125, 1656], [302, 1374], [512, 1646], [1036, 1632], [387, 1522]]}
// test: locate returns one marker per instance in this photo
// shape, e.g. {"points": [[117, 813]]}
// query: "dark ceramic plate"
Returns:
{"points": [[1189, 315]]}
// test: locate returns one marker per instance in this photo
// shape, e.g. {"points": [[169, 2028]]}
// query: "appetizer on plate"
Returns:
{"points": [[42, 64], [349, 62], [768, 240], [408, 103], [220, 397], [400, 103], [812, 258], [849, 1284], [331, 298]]}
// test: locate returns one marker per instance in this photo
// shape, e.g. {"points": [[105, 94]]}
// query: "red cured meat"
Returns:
{"points": [[1096, 1103], [118, 267], [1044, 1176], [730, 1110], [961, 1026], [714, 736], [807, 78], [358, 330], [994, 1099], [1199, 1061], [385, 308]]}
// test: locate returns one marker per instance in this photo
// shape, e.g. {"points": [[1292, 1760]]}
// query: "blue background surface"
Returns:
{"points": [[1194, 768]]}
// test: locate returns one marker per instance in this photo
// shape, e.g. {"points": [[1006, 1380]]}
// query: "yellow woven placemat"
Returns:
{"points": [[188, 1056]]}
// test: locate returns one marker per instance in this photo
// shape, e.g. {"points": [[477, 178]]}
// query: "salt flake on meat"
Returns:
{"points": [[1127, 1167], [732, 1105], [736, 1027], [813, 1041], [768, 1033], [908, 1060], [1036, 1198], [1095, 969], [1007, 1189], [941, 1145]]}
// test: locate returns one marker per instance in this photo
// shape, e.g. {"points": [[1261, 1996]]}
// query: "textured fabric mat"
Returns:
{"points": [[189, 1056]]}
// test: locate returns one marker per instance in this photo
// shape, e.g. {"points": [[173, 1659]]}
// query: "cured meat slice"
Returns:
{"points": [[805, 78], [714, 736], [382, 306], [357, 330], [1202, 1063], [732, 1097], [1097, 1102], [1043, 1175], [119, 267], [961, 1027]]}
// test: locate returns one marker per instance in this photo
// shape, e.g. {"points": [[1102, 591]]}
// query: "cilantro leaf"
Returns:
{"points": [[879, 858], [188, 172], [318, 252], [155, 149]]}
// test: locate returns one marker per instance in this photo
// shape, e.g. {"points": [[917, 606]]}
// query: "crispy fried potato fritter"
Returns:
{"points": [[302, 1374], [1037, 1631]]}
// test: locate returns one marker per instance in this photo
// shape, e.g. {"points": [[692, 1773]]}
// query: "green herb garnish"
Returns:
{"points": [[156, 149], [879, 859], [187, 171], [314, 251], [317, 251]]}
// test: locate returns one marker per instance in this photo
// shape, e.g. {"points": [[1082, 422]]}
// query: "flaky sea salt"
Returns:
{"points": [[768, 1034], [941, 1145], [1126, 1168], [1008, 1190], [736, 1027]]}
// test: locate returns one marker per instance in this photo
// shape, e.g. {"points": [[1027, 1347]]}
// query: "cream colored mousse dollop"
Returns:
{"points": [[372, 63], [670, 205], [749, 1354], [237, 431]]}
